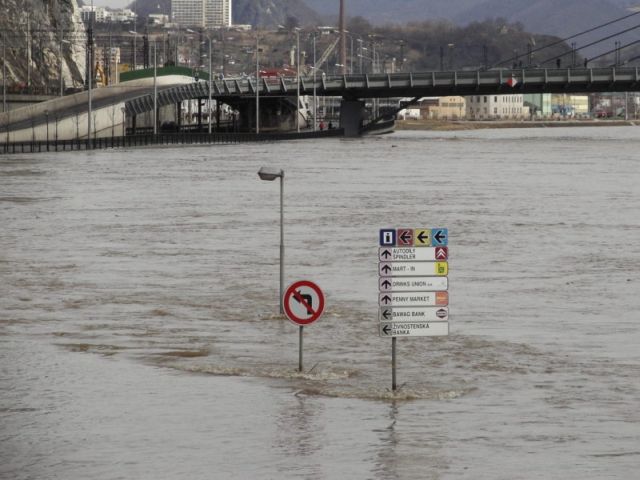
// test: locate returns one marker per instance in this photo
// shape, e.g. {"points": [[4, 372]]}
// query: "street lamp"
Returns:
{"points": [[46, 116], [258, 91], [315, 97], [298, 79], [61, 53], [210, 80], [155, 88], [135, 36], [4, 75], [90, 80], [269, 175], [451, 47]]}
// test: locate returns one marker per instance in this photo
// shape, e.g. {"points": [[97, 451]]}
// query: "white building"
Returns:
{"points": [[103, 15], [496, 107], [158, 19], [202, 13]]}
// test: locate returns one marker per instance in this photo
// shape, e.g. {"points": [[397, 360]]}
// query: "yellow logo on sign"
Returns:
{"points": [[442, 268], [422, 237]]}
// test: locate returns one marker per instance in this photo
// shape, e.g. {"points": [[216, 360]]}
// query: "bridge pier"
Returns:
{"points": [[351, 117]]}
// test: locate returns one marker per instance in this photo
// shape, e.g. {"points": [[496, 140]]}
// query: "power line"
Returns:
{"points": [[608, 37], [563, 40], [616, 50]]}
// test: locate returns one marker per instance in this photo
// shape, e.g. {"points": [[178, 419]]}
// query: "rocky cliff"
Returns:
{"points": [[33, 32]]}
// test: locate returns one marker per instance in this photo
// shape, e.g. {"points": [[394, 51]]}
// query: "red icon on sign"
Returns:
{"points": [[405, 237], [442, 253], [303, 302], [442, 299]]}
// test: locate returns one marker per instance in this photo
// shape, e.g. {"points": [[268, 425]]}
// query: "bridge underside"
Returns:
{"points": [[354, 88]]}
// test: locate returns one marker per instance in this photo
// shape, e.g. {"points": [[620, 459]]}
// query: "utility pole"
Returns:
{"points": [[90, 74], [135, 31], [298, 79], [61, 54], [28, 54], [315, 97], [343, 38], [210, 83], [257, 84], [155, 88], [4, 75], [485, 57]]}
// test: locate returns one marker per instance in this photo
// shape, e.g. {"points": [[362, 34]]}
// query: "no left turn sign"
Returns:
{"points": [[303, 302]]}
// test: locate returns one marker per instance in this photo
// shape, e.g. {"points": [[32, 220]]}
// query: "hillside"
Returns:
{"points": [[271, 13], [552, 17], [264, 13]]}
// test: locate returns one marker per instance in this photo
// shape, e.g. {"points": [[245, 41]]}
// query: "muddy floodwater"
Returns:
{"points": [[140, 336]]}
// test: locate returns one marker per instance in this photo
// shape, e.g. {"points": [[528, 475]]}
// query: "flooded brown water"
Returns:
{"points": [[140, 334]]}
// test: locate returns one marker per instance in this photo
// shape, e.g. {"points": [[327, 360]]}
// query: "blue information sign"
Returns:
{"points": [[388, 237]]}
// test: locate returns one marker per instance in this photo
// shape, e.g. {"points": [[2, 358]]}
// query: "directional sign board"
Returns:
{"points": [[414, 329], [303, 302], [413, 299], [414, 314], [404, 254], [413, 268], [413, 284]]}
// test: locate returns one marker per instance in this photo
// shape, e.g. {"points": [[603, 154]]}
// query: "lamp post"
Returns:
{"points": [[135, 36], [315, 98], [90, 72], [46, 116], [258, 88], [269, 175], [61, 53], [210, 80], [135, 31], [451, 47], [4, 75], [155, 88], [298, 78]]}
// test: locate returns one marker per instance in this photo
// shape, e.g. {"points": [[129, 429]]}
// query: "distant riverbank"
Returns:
{"points": [[477, 125]]}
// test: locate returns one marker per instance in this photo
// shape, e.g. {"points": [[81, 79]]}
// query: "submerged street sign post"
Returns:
{"points": [[413, 286], [303, 304]]}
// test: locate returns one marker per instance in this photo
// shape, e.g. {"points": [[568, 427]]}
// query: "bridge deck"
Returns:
{"points": [[422, 84], [138, 99]]}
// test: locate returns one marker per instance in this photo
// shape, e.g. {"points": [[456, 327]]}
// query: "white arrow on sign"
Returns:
{"points": [[413, 284], [413, 314], [414, 329], [413, 299]]}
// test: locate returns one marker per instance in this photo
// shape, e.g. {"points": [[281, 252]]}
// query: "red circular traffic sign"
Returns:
{"points": [[303, 302]]}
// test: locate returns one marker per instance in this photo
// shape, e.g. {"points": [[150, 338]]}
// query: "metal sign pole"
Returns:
{"points": [[303, 305], [393, 364], [300, 352]]}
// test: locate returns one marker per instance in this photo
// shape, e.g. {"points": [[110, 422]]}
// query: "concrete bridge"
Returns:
{"points": [[137, 99]]}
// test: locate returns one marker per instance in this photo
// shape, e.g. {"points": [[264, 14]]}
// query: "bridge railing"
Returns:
{"points": [[145, 140]]}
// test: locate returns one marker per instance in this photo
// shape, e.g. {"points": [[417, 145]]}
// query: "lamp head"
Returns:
{"points": [[270, 174]]}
